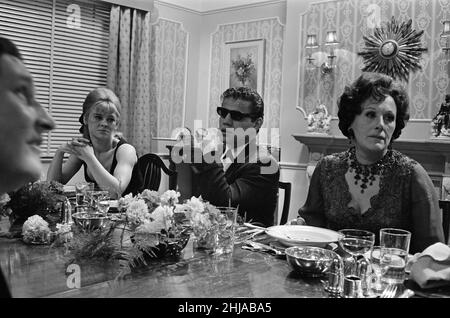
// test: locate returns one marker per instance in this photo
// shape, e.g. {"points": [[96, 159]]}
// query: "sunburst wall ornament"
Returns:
{"points": [[394, 50]]}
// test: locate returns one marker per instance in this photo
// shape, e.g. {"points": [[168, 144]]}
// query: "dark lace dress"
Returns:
{"points": [[406, 199]]}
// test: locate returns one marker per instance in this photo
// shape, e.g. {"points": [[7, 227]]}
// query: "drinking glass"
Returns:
{"points": [[81, 189], [103, 206], [376, 286], [226, 230], [95, 197], [394, 250], [356, 242]]}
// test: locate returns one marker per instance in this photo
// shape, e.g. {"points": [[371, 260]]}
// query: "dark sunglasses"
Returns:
{"points": [[235, 115]]}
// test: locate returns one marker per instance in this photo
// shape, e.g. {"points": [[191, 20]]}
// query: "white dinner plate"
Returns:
{"points": [[293, 235]]}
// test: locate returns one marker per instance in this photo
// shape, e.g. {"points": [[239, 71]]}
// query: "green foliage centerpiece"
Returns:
{"points": [[42, 198], [146, 228]]}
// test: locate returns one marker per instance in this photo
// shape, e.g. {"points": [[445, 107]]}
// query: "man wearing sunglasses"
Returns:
{"points": [[244, 174]]}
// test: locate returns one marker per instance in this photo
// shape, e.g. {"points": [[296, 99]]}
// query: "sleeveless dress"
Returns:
{"points": [[137, 181]]}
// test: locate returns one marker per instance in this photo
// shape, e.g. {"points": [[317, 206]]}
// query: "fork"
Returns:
{"points": [[256, 246], [389, 292]]}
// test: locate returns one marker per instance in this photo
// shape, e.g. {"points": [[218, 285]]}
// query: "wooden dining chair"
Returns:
{"points": [[150, 166], [445, 206], [286, 186]]}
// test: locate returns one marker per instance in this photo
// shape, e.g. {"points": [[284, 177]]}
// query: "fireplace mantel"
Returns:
{"points": [[433, 154]]}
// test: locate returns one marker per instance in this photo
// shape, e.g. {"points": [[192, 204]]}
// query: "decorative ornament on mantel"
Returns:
{"points": [[319, 121], [440, 124], [394, 49]]}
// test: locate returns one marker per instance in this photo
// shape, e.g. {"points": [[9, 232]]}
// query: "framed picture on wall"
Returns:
{"points": [[244, 64]]}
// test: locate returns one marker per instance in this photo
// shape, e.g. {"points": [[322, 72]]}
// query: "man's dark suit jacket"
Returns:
{"points": [[251, 184]]}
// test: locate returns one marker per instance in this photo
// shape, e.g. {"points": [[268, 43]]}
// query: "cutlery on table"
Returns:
{"points": [[389, 292], [256, 246], [249, 225]]}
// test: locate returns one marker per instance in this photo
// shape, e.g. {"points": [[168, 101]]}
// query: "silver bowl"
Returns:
{"points": [[91, 221], [309, 261]]}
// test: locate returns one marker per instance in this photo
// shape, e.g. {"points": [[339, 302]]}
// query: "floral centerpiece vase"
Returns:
{"points": [[213, 227], [153, 228]]}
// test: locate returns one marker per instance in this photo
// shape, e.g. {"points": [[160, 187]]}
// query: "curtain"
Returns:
{"points": [[129, 72]]}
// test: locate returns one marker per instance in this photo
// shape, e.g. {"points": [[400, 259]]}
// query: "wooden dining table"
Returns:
{"points": [[49, 271], [44, 271]]}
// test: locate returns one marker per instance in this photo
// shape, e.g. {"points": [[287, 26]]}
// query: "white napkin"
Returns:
{"points": [[431, 268]]}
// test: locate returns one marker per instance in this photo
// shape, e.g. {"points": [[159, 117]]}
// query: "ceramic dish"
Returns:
{"points": [[294, 235]]}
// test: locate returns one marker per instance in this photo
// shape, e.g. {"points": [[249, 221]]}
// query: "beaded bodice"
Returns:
{"points": [[390, 207]]}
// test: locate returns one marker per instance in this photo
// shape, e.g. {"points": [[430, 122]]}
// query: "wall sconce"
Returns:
{"points": [[445, 35], [311, 44], [330, 42]]}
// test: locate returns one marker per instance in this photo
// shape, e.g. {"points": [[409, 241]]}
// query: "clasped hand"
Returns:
{"points": [[80, 147]]}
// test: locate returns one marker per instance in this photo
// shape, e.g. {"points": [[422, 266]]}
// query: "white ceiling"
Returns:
{"points": [[208, 5]]}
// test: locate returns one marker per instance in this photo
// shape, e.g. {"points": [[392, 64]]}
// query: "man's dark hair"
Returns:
{"points": [[246, 94], [8, 47]]}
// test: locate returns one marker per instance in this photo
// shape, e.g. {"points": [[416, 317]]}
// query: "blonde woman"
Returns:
{"points": [[108, 160]]}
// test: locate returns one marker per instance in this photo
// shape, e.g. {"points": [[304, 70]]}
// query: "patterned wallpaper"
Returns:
{"points": [[272, 31], [354, 18], [168, 75]]}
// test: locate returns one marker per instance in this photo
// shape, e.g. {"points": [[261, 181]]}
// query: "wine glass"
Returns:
{"points": [[101, 201], [356, 242], [103, 206], [80, 188]]}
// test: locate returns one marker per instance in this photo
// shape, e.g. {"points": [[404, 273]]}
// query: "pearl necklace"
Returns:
{"points": [[366, 173]]}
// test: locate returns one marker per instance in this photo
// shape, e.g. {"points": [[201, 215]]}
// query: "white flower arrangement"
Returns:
{"points": [[150, 213], [151, 197], [4, 199], [196, 205], [204, 219], [137, 212], [170, 197], [35, 229]]}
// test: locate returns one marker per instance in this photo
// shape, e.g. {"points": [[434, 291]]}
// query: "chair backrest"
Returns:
{"points": [[150, 166], [286, 186], [445, 206]]}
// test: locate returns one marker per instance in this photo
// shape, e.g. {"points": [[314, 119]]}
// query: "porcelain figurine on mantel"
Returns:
{"points": [[440, 124], [319, 121]]}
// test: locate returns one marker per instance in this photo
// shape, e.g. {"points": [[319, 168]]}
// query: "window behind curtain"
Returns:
{"points": [[67, 56]]}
